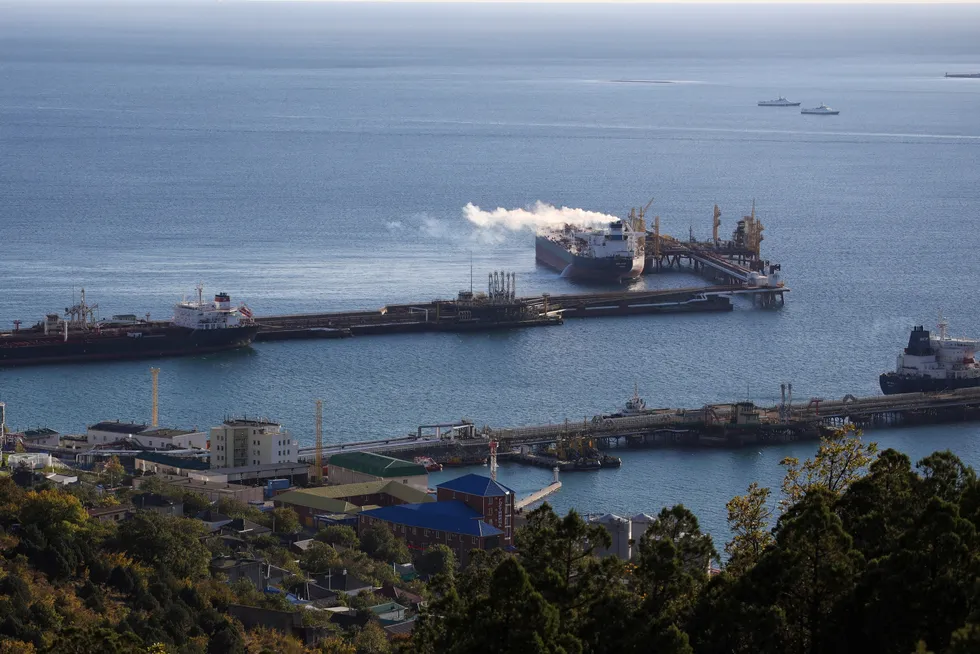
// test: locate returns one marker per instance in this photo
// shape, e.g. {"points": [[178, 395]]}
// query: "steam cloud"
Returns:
{"points": [[540, 215]]}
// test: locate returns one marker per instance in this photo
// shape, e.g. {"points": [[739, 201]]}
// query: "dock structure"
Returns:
{"points": [[715, 425]]}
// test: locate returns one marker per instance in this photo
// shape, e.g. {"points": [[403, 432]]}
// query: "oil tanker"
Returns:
{"points": [[197, 327], [610, 253]]}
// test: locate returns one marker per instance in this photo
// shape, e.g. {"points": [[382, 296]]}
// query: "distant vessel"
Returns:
{"points": [[601, 254], [197, 327], [933, 364], [964, 75], [779, 102], [822, 110]]}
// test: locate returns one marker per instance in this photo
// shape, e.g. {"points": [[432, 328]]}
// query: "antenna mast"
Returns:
{"points": [[318, 450], [493, 460], [154, 416]]}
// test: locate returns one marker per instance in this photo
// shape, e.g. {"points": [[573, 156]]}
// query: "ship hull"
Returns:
{"points": [[609, 269], [893, 384], [25, 350]]}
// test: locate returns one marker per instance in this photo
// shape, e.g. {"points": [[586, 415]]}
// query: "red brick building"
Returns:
{"points": [[492, 500]]}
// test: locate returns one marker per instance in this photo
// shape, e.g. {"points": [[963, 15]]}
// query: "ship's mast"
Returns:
{"points": [[943, 324]]}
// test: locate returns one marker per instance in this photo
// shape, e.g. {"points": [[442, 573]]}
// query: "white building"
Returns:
{"points": [[241, 442], [143, 436]]}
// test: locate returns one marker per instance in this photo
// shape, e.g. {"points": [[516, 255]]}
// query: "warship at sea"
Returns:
{"points": [[197, 327]]}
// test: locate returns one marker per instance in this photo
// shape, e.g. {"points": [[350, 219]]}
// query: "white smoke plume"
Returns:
{"points": [[539, 215]]}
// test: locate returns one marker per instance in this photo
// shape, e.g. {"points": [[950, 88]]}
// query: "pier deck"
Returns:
{"points": [[724, 425]]}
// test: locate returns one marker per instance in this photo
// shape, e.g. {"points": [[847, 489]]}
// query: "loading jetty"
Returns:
{"points": [[736, 424]]}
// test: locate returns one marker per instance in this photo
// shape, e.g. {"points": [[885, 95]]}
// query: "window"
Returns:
{"points": [[473, 539], [414, 531]]}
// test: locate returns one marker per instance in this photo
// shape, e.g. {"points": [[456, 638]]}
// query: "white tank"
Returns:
{"points": [[619, 530], [638, 526]]}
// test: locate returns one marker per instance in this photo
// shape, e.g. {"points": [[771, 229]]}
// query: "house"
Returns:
{"points": [[341, 581], [489, 498], [297, 474], [396, 594], [389, 612], [213, 520], [116, 513], [61, 480], [400, 629], [40, 437], [249, 568], [451, 523], [242, 528], [249, 442], [356, 467], [158, 503], [349, 498], [287, 622]]}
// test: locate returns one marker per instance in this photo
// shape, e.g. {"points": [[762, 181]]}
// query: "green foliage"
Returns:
{"points": [[338, 535], [166, 542], [319, 557], [749, 519], [841, 460], [282, 520], [436, 560], [379, 543]]}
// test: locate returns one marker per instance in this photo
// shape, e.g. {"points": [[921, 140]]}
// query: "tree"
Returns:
{"points": [[338, 535], [945, 476], [809, 573], [283, 520], [166, 543], [114, 471], [379, 543], [511, 617], [840, 461], [438, 559], [371, 639], [319, 557], [749, 518], [558, 555], [195, 503]]}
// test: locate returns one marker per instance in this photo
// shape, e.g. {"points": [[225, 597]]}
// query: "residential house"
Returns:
{"points": [[158, 503], [389, 612], [116, 513]]}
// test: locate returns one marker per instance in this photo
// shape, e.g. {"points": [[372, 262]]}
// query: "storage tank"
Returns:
{"points": [[619, 531], [638, 526]]}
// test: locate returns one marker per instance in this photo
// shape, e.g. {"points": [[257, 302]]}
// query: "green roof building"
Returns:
{"points": [[357, 467]]}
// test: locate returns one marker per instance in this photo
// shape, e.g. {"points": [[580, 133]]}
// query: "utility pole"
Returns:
{"points": [[155, 415]]}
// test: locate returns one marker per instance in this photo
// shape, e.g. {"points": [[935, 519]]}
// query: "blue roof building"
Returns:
{"points": [[473, 484], [489, 498], [452, 523]]}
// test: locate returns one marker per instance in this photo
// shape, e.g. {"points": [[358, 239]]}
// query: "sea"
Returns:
{"points": [[312, 157]]}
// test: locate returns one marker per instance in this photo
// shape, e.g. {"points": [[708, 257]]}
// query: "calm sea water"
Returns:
{"points": [[310, 157]]}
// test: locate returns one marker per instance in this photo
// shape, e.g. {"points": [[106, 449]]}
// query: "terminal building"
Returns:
{"points": [[242, 442]]}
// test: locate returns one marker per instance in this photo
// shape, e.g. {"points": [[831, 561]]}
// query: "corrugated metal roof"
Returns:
{"points": [[473, 484], [453, 516], [377, 465], [311, 501], [403, 492]]}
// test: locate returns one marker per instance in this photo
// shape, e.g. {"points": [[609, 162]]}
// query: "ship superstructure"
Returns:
{"points": [[931, 363], [608, 253], [197, 327]]}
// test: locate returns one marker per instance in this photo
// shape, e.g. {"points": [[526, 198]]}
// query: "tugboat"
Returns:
{"points": [[428, 463], [822, 110], [780, 102], [933, 364]]}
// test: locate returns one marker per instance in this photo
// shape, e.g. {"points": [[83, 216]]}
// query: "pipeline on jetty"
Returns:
{"points": [[716, 425]]}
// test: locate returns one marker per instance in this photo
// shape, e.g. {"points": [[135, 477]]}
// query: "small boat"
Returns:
{"points": [[779, 102], [822, 110], [428, 463]]}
